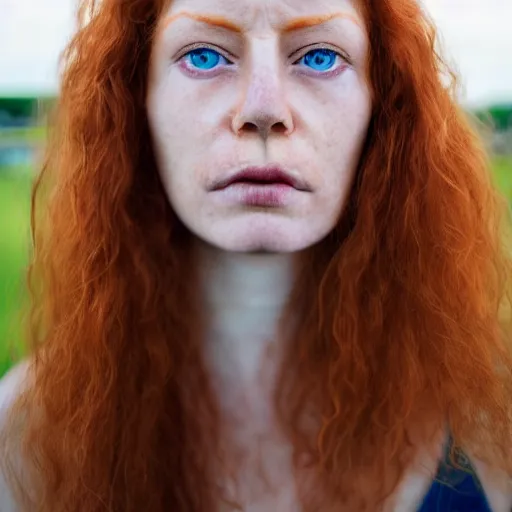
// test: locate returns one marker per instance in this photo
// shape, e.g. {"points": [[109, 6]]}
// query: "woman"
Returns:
{"points": [[267, 272]]}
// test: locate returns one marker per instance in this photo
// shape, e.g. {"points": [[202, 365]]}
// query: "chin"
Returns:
{"points": [[260, 233], [264, 240]]}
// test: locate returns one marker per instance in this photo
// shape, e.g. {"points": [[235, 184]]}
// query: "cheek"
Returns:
{"points": [[335, 118], [173, 133], [342, 148], [170, 106], [342, 143], [193, 104]]}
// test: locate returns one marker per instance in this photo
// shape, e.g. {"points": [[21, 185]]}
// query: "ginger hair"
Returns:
{"points": [[400, 309]]}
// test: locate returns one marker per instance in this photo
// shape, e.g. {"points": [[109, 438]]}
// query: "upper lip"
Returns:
{"points": [[263, 175]]}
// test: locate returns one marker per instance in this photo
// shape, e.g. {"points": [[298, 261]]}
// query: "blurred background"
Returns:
{"points": [[475, 37]]}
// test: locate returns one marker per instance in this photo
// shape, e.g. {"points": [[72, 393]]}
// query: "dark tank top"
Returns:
{"points": [[456, 487]]}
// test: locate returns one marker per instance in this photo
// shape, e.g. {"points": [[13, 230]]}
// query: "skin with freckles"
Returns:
{"points": [[265, 101]]}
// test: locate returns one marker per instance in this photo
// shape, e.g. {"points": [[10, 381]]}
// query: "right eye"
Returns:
{"points": [[204, 59]]}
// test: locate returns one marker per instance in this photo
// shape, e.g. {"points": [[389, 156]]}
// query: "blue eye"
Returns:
{"points": [[320, 59], [205, 58]]}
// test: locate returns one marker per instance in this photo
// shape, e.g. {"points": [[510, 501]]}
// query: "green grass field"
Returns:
{"points": [[14, 237]]}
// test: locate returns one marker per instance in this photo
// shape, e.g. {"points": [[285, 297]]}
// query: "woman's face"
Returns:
{"points": [[258, 111]]}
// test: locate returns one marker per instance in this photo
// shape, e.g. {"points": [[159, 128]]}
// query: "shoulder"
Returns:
{"points": [[11, 384], [497, 486], [495, 483]]}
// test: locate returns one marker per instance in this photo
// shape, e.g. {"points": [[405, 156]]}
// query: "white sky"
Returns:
{"points": [[476, 36]]}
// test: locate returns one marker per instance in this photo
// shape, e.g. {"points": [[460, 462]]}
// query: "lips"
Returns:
{"points": [[269, 175]]}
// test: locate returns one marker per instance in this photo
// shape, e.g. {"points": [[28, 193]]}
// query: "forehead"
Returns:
{"points": [[250, 14]]}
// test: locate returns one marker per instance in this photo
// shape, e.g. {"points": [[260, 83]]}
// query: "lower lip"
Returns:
{"points": [[273, 195]]}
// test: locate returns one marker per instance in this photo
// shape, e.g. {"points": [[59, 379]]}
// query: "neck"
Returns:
{"points": [[243, 298]]}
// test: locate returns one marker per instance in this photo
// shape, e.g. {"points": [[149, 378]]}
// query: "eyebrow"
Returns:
{"points": [[312, 21], [216, 21], [290, 26]]}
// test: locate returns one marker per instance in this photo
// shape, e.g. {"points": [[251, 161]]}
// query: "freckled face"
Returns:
{"points": [[258, 111]]}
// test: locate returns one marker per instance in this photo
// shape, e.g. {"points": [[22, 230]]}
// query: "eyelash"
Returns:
{"points": [[196, 72]]}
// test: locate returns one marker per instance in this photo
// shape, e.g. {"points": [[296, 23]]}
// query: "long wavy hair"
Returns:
{"points": [[401, 308]]}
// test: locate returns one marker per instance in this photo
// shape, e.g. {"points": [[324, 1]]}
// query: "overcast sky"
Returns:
{"points": [[476, 36]]}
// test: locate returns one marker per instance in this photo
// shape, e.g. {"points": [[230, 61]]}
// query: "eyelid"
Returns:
{"points": [[299, 54], [187, 49]]}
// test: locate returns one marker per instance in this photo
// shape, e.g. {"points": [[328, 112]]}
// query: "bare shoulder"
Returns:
{"points": [[497, 486], [11, 384]]}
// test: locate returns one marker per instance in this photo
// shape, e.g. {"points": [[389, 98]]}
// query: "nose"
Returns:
{"points": [[264, 108]]}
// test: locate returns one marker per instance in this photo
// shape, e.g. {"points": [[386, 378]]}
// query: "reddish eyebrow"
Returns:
{"points": [[217, 21], [290, 26], [312, 21]]}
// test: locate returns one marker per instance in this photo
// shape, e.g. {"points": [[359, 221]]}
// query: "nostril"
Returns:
{"points": [[279, 128], [250, 127]]}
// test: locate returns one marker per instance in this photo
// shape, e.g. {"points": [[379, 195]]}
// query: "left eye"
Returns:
{"points": [[320, 59], [205, 58]]}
